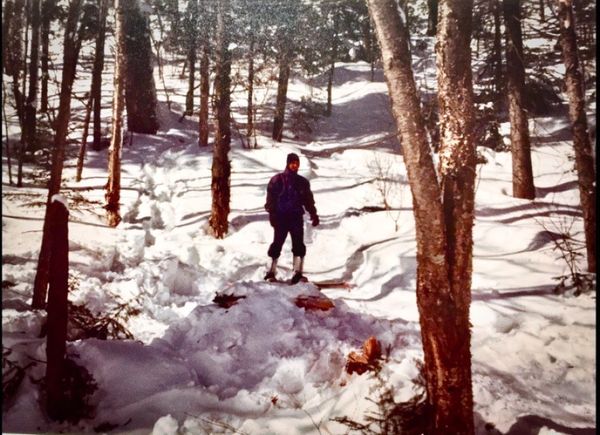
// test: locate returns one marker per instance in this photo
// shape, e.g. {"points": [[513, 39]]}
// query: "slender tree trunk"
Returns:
{"points": [[443, 234], [96, 92], [542, 10], [86, 125], [30, 103], [221, 167], [584, 156], [189, 100], [71, 52], [56, 342], [47, 7], [23, 96], [282, 85], [113, 187], [250, 114], [203, 123], [497, 56], [330, 74], [432, 17], [523, 186], [140, 99], [8, 157]]}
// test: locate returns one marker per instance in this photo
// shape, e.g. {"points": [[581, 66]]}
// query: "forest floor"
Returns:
{"points": [[265, 365]]}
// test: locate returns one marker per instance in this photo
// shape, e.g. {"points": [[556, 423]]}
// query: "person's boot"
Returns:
{"points": [[270, 276], [298, 264]]}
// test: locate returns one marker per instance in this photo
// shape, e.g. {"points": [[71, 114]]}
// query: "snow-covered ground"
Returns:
{"points": [[265, 365]]}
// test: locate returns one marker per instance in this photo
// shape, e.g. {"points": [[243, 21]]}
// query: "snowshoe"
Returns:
{"points": [[297, 278]]}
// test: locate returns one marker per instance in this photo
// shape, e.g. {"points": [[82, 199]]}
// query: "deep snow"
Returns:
{"points": [[265, 365]]}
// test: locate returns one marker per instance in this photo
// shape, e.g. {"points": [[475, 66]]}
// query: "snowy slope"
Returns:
{"points": [[266, 365]]}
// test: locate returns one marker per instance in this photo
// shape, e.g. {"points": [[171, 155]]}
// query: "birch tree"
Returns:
{"points": [[443, 208]]}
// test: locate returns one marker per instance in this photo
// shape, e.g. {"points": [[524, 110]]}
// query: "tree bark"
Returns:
{"points": [[140, 90], [221, 167], [497, 56], [443, 212], [47, 8], [84, 136], [523, 186], [454, 397], [203, 124], [250, 114], [190, 37], [282, 85], [97, 75], [432, 17], [29, 126], [584, 157], [57, 310], [71, 52], [113, 187]]}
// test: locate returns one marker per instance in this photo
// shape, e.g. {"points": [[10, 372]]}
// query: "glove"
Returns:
{"points": [[315, 220], [272, 219]]}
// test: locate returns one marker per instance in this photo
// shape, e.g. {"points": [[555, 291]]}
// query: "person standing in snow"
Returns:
{"points": [[288, 196]]}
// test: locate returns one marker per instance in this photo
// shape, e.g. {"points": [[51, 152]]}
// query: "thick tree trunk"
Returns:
{"points": [[584, 157], [113, 187], [71, 53], [454, 402], [97, 75], [30, 124], [523, 186], [56, 342], [140, 90], [443, 234], [221, 167], [47, 7], [203, 124], [282, 85]]}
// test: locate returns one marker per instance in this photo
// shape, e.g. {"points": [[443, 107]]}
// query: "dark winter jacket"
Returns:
{"points": [[288, 195]]}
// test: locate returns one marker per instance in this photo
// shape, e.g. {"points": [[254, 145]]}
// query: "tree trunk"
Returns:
{"points": [[140, 90], [47, 7], [497, 56], [584, 156], [190, 37], [189, 100], [443, 233], [29, 126], [86, 125], [519, 129], [542, 5], [113, 187], [330, 74], [432, 17], [8, 157], [454, 396], [221, 167], [97, 75], [203, 124], [71, 53], [250, 114], [282, 85], [56, 342]]}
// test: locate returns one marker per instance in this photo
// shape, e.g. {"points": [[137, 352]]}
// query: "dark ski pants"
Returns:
{"points": [[283, 226]]}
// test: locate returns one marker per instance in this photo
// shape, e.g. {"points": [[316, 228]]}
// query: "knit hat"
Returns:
{"points": [[292, 157]]}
